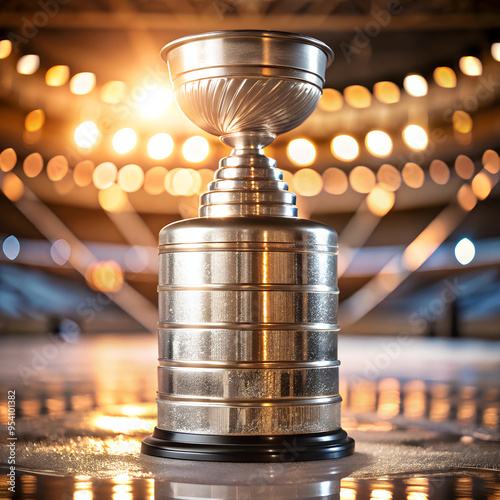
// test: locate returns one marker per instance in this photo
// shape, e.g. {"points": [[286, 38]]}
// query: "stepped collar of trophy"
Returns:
{"points": [[248, 296]]}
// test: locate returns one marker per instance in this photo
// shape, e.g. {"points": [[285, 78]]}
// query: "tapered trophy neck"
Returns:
{"points": [[247, 182]]}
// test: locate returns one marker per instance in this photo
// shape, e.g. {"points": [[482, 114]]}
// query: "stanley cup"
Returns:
{"points": [[248, 296]]}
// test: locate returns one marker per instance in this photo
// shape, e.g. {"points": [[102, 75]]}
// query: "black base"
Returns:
{"points": [[285, 448]]}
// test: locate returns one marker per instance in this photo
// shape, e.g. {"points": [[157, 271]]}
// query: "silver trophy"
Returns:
{"points": [[248, 295]]}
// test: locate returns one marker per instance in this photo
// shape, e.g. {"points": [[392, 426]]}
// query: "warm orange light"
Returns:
{"points": [[33, 165], [335, 181], [462, 122], [445, 77], [186, 182], [130, 178], [464, 167], [106, 276], [113, 92], [481, 185], [195, 149], [389, 177], [470, 66], [466, 198], [307, 182], [491, 161], [357, 96], [387, 92], [344, 147], [104, 175], [112, 199], [378, 143], [415, 85], [82, 173], [57, 75], [154, 180], [380, 201], [57, 168], [8, 160], [439, 172], [5, 48], [12, 187], [301, 152], [362, 179], [160, 146], [28, 64], [86, 134], [34, 120], [413, 175], [415, 137], [331, 100], [82, 83], [124, 140]]}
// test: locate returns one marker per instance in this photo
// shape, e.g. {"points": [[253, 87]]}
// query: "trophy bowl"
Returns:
{"points": [[230, 82]]}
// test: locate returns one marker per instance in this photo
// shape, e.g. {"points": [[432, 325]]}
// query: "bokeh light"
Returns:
{"points": [[28, 64], [495, 51], [362, 179], [439, 172], [155, 101], [462, 122], [413, 175], [105, 276], [5, 48], [464, 167], [160, 146], [415, 137], [11, 247], [344, 147], [335, 181], [65, 185], [415, 85], [124, 140], [466, 198], [195, 149], [12, 187], [136, 259], [130, 178], [389, 177], [86, 134], [8, 159], [60, 251], [307, 182], [301, 152], [470, 66], [33, 165], [331, 100], [387, 92], [378, 143], [154, 180], [113, 92], [82, 173], [491, 161], [481, 185], [82, 83], [34, 120], [112, 199], [445, 77], [57, 168], [465, 251], [185, 181], [57, 75], [104, 175], [357, 96], [380, 200]]}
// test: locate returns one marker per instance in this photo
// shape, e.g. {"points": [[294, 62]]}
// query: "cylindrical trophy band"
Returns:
{"points": [[307, 416]]}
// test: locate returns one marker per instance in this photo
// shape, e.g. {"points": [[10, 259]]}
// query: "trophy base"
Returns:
{"points": [[280, 448]]}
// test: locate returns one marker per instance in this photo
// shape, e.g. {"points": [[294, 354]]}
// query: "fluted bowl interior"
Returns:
{"points": [[241, 81]]}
